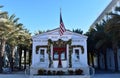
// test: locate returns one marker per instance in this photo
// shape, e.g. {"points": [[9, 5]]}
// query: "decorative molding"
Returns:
{"points": [[82, 48], [37, 48]]}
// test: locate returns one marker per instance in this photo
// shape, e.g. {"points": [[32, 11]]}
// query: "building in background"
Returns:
{"points": [[108, 9], [110, 55]]}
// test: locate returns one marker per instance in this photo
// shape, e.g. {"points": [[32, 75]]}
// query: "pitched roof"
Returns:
{"points": [[56, 32]]}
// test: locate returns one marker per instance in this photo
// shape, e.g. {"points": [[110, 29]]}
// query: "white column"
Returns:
{"points": [[51, 51], [67, 55], [73, 56], [33, 54]]}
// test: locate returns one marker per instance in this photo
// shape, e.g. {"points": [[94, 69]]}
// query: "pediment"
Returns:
{"points": [[55, 32]]}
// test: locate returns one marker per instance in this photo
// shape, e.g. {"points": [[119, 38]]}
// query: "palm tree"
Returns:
{"points": [[10, 30], [78, 31], [13, 42], [113, 28], [102, 42], [3, 28], [12, 33], [91, 45], [24, 43], [27, 45], [38, 32]]}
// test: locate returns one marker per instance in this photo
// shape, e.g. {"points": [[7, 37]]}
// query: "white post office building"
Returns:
{"points": [[50, 50]]}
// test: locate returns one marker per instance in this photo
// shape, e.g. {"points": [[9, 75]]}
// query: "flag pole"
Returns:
{"points": [[60, 4]]}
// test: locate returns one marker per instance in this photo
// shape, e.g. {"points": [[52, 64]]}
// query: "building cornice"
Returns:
{"points": [[105, 11]]}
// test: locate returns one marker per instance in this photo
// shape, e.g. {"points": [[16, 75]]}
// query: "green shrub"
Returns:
{"points": [[49, 72], [78, 72], [60, 73], [71, 72], [54, 72], [40, 72]]}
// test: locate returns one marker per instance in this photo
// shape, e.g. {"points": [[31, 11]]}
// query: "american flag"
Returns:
{"points": [[62, 27]]}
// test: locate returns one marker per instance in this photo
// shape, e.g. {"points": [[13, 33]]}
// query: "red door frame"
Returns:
{"points": [[59, 50]]}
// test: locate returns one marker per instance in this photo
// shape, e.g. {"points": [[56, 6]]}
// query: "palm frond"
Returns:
{"points": [[1, 6], [3, 13], [16, 20], [12, 17], [100, 43]]}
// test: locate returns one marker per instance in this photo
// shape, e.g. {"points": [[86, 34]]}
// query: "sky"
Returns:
{"points": [[45, 14]]}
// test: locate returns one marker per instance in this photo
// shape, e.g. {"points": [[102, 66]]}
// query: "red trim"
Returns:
{"points": [[59, 50]]}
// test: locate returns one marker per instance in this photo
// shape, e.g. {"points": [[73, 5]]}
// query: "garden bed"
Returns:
{"points": [[68, 73], [59, 76]]}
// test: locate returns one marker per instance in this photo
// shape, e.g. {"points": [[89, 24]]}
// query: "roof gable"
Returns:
{"points": [[56, 32]]}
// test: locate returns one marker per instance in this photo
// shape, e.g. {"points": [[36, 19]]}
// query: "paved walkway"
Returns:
{"points": [[14, 75], [107, 76], [97, 75]]}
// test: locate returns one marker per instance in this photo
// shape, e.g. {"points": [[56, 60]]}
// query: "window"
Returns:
{"points": [[42, 55], [63, 56], [77, 57], [59, 53], [55, 57]]}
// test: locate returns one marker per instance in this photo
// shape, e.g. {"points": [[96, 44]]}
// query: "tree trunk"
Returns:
{"points": [[105, 61], [92, 57], [115, 55], [98, 59], [1, 62], [20, 56], [12, 58], [25, 58], [3, 42], [30, 55], [105, 58], [88, 56], [116, 59]]}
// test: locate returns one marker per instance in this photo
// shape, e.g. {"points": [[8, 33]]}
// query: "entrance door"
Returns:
{"points": [[59, 53]]}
